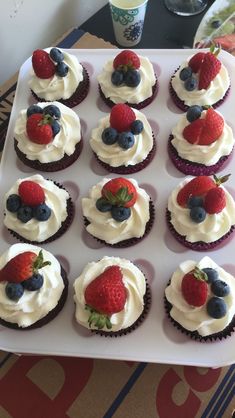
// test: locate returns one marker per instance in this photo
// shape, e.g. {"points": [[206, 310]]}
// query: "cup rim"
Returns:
{"points": [[128, 8]]}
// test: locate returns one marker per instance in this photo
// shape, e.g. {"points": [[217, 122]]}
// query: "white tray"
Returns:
{"points": [[156, 340]]}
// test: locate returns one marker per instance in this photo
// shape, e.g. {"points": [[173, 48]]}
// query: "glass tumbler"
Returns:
{"points": [[186, 7]]}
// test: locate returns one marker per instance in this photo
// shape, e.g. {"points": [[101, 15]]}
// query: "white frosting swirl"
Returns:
{"points": [[55, 197], [33, 305], [216, 90], [123, 93], [196, 318], [104, 227], [202, 154], [116, 156], [134, 283], [211, 229], [63, 143], [56, 87]]}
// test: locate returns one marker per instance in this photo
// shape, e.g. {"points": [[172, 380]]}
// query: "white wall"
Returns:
{"points": [[26, 25]]}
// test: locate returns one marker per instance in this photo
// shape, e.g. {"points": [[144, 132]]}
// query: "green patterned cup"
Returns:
{"points": [[128, 20]]}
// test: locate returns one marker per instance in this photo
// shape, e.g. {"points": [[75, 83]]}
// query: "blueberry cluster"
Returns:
{"points": [[216, 306], [130, 78], [197, 211], [58, 57], [51, 112], [194, 113], [119, 213], [24, 213], [190, 81], [126, 139], [15, 291]]}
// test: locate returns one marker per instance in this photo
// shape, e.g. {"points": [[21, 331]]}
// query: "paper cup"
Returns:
{"points": [[128, 20]]}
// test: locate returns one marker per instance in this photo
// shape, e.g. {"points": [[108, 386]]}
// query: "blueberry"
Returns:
{"points": [[216, 23], [42, 212], [109, 136], [185, 73], [35, 282], [14, 291], [216, 307], [13, 203], [132, 78], [120, 213], [194, 112], [117, 77], [33, 109], [53, 111], [197, 214], [56, 55], [55, 126], [220, 288], [137, 127], [62, 69], [103, 205], [25, 213], [126, 140], [212, 274], [190, 84], [195, 201]]}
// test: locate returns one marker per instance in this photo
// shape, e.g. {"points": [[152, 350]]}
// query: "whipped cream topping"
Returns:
{"points": [[104, 227], [56, 87], [216, 90], [55, 197], [196, 318], [33, 305], [134, 283], [202, 154], [123, 93], [116, 156], [211, 229], [63, 143]]}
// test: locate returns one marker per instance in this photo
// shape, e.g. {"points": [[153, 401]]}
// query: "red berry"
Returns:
{"points": [[192, 132], [120, 192], [43, 66], [39, 129], [209, 69], [194, 287], [127, 59], [215, 201], [214, 125], [121, 117], [196, 61], [31, 193], [198, 186]]}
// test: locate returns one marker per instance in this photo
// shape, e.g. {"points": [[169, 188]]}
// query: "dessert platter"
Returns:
{"points": [[64, 211]]}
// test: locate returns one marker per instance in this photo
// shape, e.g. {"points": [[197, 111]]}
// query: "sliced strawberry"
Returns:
{"points": [[38, 129], [120, 192], [215, 201], [214, 125], [198, 186], [192, 132], [126, 60], [31, 193], [196, 61], [195, 288], [43, 66], [209, 69], [121, 117]]}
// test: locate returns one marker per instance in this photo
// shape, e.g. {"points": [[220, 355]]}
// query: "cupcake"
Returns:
{"points": [[199, 300], [37, 210], [200, 80], [58, 76], [118, 212], [201, 142], [129, 79], [111, 296], [33, 287], [201, 212], [123, 142], [48, 136]]}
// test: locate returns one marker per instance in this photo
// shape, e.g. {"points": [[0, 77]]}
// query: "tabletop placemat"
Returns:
{"points": [[61, 387]]}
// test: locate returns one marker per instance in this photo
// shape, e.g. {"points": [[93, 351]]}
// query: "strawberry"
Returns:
{"points": [[104, 296], [194, 287], [196, 61], [210, 67], [120, 192], [38, 128], [31, 193], [43, 66], [22, 267], [198, 186], [192, 132], [126, 60], [121, 117], [215, 201], [205, 131]]}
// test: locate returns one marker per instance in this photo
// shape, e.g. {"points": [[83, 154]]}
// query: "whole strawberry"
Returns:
{"points": [[196, 61], [31, 193], [120, 192], [210, 67], [195, 288], [43, 66], [215, 201], [22, 267], [121, 117], [126, 60], [104, 296], [38, 128]]}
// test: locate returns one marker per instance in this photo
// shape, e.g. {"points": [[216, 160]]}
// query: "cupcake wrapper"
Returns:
{"points": [[192, 168], [199, 245], [130, 169], [77, 97], [50, 316], [138, 106]]}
